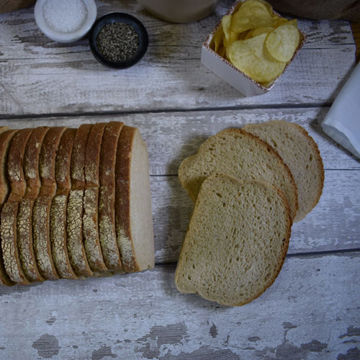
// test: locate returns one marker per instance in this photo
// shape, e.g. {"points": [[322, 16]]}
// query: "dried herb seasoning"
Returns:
{"points": [[118, 42]]}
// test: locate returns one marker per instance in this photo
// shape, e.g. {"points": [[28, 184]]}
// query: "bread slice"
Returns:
{"points": [[24, 218], [134, 227], [58, 234], [106, 211], [91, 199], [301, 154], [242, 155], [5, 139], [42, 205], [236, 242], [75, 204], [9, 210]]}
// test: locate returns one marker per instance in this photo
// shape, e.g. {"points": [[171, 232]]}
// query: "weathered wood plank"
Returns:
{"points": [[38, 76], [175, 135], [310, 312], [334, 223]]}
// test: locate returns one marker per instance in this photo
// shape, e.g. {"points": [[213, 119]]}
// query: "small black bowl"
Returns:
{"points": [[125, 19]]}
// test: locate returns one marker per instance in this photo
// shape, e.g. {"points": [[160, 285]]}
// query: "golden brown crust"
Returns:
{"points": [[42, 206], [63, 162], [15, 170], [58, 234], [5, 139], [9, 246], [75, 208], [24, 217], [91, 199], [122, 208], [78, 157], [107, 197]]}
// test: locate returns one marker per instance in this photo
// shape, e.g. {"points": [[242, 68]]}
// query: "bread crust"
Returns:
{"points": [[107, 196], [9, 211], [91, 199], [58, 234], [5, 139], [75, 205], [122, 209], [24, 217], [42, 206]]}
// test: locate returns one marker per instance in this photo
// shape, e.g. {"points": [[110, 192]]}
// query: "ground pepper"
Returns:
{"points": [[117, 42]]}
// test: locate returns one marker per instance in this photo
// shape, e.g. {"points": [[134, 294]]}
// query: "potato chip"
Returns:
{"points": [[282, 42], [251, 15], [226, 25], [259, 31], [218, 38], [249, 57]]}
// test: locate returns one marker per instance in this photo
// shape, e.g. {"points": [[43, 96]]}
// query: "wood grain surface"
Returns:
{"points": [[38, 76], [312, 310]]}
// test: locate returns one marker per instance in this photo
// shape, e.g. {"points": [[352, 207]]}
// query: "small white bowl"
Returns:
{"points": [[65, 37]]}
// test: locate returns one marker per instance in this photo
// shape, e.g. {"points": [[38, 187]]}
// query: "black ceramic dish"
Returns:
{"points": [[125, 19]]}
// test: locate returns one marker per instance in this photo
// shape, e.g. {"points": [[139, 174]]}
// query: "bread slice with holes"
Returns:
{"points": [[24, 217], [9, 211], [75, 204], [42, 206], [134, 227], [242, 155], [91, 199], [106, 210], [58, 233], [5, 140], [301, 154], [236, 242]]}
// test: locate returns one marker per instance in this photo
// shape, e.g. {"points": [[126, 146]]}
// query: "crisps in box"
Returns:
{"points": [[235, 45]]}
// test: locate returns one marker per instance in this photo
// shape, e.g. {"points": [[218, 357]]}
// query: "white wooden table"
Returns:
{"points": [[313, 309]]}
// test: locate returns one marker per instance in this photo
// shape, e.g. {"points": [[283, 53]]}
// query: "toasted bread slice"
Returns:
{"points": [[106, 211], [42, 205], [91, 199], [58, 234], [5, 139], [75, 208], [24, 218], [134, 227], [15, 173], [242, 155], [301, 154], [236, 242]]}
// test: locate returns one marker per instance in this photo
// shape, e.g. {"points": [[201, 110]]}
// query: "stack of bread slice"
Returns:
{"points": [[249, 185], [75, 203]]}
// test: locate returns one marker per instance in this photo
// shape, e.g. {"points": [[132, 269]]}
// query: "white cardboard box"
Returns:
{"points": [[229, 73]]}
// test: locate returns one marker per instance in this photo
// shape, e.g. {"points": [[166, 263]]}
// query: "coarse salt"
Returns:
{"points": [[65, 16]]}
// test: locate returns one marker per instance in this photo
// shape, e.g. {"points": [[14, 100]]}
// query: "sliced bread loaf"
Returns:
{"points": [[75, 204], [42, 205], [134, 227], [24, 218], [58, 233], [236, 241], [242, 155], [9, 210], [106, 210], [91, 199], [301, 154], [5, 139]]}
